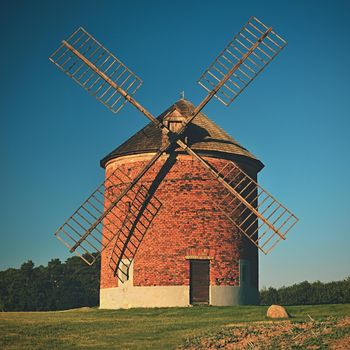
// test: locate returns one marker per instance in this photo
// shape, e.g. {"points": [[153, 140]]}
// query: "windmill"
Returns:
{"points": [[119, 213]]}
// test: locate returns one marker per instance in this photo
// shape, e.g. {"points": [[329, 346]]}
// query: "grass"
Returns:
{"points": [[164, 328]]}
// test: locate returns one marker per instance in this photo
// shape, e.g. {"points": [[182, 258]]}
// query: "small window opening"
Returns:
{"points": [[244, 273], [174, 125]]}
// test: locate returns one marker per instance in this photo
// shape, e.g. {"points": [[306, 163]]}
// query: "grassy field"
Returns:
{"points": [[165, 328]]}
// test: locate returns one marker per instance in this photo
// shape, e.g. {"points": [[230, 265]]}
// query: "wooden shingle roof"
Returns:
{"points": [[203, 136]]}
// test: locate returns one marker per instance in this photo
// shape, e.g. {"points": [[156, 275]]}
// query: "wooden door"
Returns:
{"points": [[199, 281]]}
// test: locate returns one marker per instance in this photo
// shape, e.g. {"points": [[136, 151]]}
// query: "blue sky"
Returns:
{"points": [[294, 116]]}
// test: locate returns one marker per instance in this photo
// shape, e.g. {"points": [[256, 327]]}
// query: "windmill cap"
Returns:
{"points": [[203, 136]]}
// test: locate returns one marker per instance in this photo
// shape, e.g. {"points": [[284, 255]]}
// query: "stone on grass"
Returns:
{"points": [[277, 311]]}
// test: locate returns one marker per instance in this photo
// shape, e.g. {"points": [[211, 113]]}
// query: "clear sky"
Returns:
{"points": [[294, 116]]}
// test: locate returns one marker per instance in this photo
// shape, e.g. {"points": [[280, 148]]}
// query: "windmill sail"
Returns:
{"points": [[92, 227], [249, 52], [140, 214], [80, 49], [263, 220]]}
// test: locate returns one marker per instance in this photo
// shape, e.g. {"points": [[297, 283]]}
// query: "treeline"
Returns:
{"points": [[306, 293], [60, 286], [57, 286]]}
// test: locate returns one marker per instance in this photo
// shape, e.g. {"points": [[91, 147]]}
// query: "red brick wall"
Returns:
{"points": [[187, 224]]}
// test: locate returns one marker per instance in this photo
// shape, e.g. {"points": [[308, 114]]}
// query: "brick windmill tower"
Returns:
{"points": [[180, 217], [192, 252]]}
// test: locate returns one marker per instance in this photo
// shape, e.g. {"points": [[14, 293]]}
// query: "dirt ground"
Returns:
{"points": [[330, 333]]}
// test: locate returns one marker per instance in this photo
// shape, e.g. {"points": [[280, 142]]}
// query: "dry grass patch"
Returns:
{"points": [[331, 333]]}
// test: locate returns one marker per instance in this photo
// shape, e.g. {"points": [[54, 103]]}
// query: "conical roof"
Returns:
{"points": [[203, 136]]}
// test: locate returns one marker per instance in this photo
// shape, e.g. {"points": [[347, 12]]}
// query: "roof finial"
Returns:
{"points": [[182, 95]]}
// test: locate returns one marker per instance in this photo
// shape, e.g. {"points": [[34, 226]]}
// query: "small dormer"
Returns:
{"points": [[174, 121]]}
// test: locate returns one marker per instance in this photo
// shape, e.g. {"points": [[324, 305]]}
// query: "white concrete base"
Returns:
{"points": [[126, 297], [155, 296]]}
